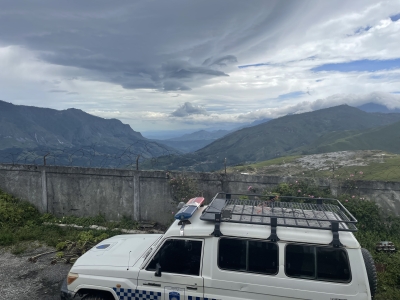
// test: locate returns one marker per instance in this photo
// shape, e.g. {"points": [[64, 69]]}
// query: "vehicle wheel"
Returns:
{"points": [[371, 270], [97, 297]]}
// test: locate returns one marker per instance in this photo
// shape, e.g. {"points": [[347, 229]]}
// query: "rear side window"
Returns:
{"points": [[319, 263], [248, 256]]}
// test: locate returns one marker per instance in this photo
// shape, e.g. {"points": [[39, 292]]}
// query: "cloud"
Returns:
{"points": [[392, 101], [58, 91], [175, 85], [221, 61], [188, 109], [240, 61], [291, 95]]}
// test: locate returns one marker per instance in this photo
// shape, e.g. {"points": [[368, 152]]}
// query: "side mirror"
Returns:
{"points": [[158, 270]]}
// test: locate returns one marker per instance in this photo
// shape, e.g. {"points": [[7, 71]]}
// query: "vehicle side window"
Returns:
{"points": [[178, 256], [320, 263], [248, 256], [300, 261], [332, 264]]}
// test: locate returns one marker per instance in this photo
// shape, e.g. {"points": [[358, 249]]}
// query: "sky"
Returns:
{"points": [[178, 65]]}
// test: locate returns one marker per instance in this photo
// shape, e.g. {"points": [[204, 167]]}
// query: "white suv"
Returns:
{"points": [[237, 247]]}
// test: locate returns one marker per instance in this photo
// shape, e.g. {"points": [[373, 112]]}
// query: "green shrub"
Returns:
{"points": [[183, 188], [15, 213]]}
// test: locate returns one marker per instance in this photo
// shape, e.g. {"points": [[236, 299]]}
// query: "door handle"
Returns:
{"points": [[152, 284], [191, 288]]}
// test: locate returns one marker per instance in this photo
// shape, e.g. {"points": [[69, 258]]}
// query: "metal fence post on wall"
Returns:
{"points": [[44, 191], [136, 197], [225, 165], [137, 162]]}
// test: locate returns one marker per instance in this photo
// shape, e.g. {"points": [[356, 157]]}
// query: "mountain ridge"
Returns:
{"points": [[29, 131], [277, 137]]}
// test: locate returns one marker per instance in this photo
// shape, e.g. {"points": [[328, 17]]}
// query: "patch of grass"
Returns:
{"points": [[125, 223], [19, 248]]}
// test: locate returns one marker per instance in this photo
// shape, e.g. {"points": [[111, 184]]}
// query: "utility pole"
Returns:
{"points": [[225, 164], [137, 162], [44, 159]]}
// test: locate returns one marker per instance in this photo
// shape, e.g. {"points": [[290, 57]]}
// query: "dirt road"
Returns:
{"points": [[21, 279]]}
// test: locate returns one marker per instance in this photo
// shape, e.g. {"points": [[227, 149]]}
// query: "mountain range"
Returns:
{"points": [[327, 129], [70, 137]]}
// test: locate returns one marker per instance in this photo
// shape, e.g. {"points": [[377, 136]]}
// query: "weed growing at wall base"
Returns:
{"points": [[21, 222]]}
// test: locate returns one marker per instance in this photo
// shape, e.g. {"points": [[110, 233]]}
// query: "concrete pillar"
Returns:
{"points": [[136, 197], [45, 207]]}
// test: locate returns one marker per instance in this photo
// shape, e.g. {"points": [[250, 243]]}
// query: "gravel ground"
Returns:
{"points": [[21, 279]]}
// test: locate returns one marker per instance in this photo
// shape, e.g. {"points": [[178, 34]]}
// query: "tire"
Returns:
{"points": [[371, 271], [99, 296]]}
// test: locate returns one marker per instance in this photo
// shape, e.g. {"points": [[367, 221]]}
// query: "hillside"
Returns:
{"points": [[28, 132], [279, 137], [385, 138]]}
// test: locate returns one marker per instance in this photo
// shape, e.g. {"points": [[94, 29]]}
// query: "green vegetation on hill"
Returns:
{"points": [[386, 138]]}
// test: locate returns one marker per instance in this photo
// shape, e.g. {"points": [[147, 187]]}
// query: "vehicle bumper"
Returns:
{"points": [[64, 293]]}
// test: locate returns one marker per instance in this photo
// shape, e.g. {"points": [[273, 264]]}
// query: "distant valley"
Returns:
{"points": [[194, 141]]}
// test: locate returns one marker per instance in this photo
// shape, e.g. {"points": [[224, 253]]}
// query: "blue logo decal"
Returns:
{"points": [[104, 246], [174, 296]]}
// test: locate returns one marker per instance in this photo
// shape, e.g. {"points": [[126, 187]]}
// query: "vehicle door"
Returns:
{"points": [[174, 271]]}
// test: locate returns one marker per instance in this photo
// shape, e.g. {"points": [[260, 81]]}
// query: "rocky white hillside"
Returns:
{"points": [[363, 164]]}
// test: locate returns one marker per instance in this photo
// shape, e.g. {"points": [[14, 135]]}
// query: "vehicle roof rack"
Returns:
{"points": [[287, 211]]}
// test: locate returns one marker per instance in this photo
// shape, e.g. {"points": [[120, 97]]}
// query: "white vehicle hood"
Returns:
{"points": [[118, 251]]}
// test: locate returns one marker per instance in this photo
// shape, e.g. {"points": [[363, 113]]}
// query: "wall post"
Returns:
{"points": [[136, 197], [45, 206]]}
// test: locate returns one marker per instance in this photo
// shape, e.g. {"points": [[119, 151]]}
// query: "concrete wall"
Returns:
{"points": [[147, 195]]}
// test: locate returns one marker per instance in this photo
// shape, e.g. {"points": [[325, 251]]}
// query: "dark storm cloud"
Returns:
{"points": [[221, 61], [165, 45], [189, 109]]}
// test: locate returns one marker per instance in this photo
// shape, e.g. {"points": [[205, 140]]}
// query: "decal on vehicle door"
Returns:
{"points": [[174, 293]]}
